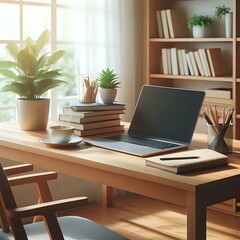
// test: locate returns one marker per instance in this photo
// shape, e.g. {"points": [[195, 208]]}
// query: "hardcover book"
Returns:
{"points": [[188, 161], [71, 112], [77, 119], [80, 106], [84, 133], [94, 125], [215, 61], [176, 23], [225, 93]]}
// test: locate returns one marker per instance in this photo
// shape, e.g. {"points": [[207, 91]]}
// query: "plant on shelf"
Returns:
{"points": [[224, 11], [108, 83], [199, 24], [199, 20], [30, 75], [221, 11]]}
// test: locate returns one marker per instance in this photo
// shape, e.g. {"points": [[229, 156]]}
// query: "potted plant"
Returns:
{"points": [[199, 24], [108, 84], [220, 12], [30, 75]]}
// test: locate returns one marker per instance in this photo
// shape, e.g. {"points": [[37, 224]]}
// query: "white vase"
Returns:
{"points": [[108, 95], [200, 32], [33, 114], [228, 24]]}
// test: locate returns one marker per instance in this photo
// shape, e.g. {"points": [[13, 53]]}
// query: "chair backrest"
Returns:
{"points": [[8, 201]]}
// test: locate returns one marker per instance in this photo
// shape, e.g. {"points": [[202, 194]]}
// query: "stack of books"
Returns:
{"points": [[93, 118], [201, 62]]}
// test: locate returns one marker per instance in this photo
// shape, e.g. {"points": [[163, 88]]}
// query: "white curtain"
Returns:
{"points": [[108, 33]]}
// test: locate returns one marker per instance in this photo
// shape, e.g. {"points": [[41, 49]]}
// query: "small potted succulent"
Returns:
{"points": [[224, 11], [29, 75], [199, 24], [108, 84]]}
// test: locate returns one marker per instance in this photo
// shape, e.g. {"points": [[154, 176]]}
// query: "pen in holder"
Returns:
{"points": [[220, 135]]}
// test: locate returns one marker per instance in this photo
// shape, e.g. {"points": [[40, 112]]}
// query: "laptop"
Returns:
{"points": [[164, 120]]}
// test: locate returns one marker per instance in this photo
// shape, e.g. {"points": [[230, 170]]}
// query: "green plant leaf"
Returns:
{"points": [[13, 50], [27, 62], [55, 57], [8, 73], [43, 40], [24, 80], [46, 84], [49, 75], [15, 88], [7, 64]]}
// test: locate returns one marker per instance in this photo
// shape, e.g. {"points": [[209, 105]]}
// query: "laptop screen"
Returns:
{"points": [[166, 113]]}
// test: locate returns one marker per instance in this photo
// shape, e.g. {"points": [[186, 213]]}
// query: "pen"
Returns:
{"points": [[178, 158]]}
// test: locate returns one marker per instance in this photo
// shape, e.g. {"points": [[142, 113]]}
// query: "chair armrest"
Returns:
{"points": [[43, 209], [17, 169], [32, 178]]}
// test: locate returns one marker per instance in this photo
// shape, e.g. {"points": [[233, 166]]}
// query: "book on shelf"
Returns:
{"points": [[164, 61], [188, 161], [84, 133], [176, 23], [217, 101], [194, 64], [180, 61], [205, 63], [199, 63], [225, 93], [94, 125], [189, 63], [169, 61], [80, 106], [69, 111], [165, 24], [174, 60], [159, 24], [185, 64], [77, 119], [215, 61]]}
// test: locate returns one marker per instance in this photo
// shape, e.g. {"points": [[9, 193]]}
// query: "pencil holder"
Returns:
{"points": [[88, 88], [220, 138]]}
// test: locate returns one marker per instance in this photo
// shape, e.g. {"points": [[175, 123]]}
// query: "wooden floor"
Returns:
{"points": [[141, 218]]}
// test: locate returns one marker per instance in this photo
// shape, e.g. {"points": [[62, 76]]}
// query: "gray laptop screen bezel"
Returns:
{"points": [[179, 108]]}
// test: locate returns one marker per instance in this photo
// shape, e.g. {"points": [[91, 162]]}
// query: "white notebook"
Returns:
{"points": [[188, 161]]}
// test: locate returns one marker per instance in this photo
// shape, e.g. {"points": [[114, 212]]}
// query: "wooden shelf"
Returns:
{"points": [[196, 40], [193, 78]]}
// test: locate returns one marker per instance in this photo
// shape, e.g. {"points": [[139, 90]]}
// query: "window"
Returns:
{"points": [[95, 34]]}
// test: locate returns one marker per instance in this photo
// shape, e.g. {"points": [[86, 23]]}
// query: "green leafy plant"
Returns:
{"points": [[221, 11], [199, 20], [108, 79], [30, 74]]}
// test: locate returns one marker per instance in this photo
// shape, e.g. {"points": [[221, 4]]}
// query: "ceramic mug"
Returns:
{"points": [[61, 134]]}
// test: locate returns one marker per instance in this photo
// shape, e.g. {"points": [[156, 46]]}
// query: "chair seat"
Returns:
{"points": [[73, 228]]}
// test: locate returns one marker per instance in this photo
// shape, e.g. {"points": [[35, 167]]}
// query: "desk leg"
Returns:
{"points": [[196, 218], [107, 196]]}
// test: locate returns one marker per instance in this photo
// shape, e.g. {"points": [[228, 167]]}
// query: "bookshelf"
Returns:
{"points": [[230, 51]]}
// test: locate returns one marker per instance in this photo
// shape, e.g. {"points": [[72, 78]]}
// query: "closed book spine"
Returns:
{"points": [[84, 133]]}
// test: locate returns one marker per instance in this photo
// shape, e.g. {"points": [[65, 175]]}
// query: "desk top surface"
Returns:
{"points": [[12, 137]]}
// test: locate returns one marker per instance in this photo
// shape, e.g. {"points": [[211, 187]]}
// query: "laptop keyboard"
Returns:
{"points": [[143, 142]]}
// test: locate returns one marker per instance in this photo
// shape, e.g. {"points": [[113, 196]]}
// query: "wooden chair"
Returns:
{"points": [[40, 179], [52, 228]]}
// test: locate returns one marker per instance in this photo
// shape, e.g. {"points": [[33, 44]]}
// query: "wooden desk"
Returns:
{"points": [[196, 191]]}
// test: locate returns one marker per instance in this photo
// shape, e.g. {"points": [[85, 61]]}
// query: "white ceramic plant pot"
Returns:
{"points": [[33, 114], [108, 95], [228, 24], [200, 32]]}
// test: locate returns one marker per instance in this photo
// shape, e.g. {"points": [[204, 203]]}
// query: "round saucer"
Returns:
{"points": [[48, 141]]}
